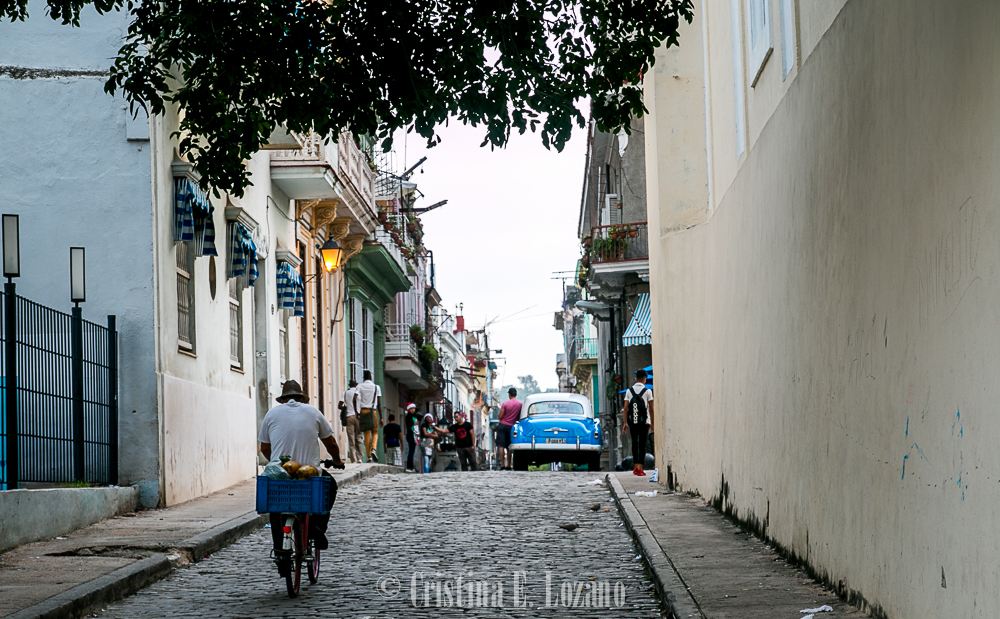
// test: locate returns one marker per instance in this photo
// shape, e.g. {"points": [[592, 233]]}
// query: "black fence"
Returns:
{"points": [[60, 373]]}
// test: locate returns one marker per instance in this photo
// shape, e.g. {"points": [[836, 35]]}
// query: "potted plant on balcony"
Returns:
{"points": [[632, 231], [382, 217], [427, 356], [387, 226], [611, 248], [587, 241], [417, 334]]}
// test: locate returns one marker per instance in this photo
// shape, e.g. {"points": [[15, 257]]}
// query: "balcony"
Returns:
{"points": [[582, 352], [401, 361], [616, 253], [313, 172], [619, 243]]}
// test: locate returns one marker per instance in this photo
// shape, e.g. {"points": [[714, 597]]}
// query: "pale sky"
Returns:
{"points": [[510, 222]]}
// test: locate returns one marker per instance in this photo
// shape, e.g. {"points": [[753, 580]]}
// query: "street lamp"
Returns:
{"points": [[332, 253], [11, 247], [77, 275]]}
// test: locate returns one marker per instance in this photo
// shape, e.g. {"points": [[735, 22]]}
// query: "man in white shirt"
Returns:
{"points": [[353, 431], [294, 428], [638, 419], [368, 403]]}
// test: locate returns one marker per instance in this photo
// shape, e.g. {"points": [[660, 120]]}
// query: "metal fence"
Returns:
{"points": [[59, 373]]}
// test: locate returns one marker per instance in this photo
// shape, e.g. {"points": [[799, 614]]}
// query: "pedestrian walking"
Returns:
{"points": [[638, 416], [412, 423], [368, 402], [510, 411], [351, 422], [463, 432], [391, 434]]}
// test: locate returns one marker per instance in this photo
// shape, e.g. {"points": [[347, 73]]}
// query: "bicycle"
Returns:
{"points": [[301, 500]]}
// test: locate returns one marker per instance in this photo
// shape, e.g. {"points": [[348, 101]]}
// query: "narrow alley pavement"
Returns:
{"points": [[397, 540]]}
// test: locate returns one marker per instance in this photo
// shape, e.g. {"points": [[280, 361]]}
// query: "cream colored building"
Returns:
{"points": [[823, 183]]}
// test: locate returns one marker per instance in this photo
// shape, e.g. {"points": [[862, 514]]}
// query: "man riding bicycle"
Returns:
{"points": [[294, 428]]}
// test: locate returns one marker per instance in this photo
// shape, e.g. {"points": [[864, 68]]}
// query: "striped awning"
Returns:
{"points": [[638, 332]]}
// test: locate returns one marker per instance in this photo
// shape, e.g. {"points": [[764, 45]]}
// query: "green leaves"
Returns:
{"points": [[238, 68]]}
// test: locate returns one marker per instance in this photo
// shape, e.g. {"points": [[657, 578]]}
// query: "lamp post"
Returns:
{"points": [[332, 254], [77, 275], [77, 294], [11, 269]]}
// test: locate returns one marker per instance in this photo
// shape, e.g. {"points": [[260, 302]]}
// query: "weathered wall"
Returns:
{"points": [[826, 344], [69, 170], [209, 439]]}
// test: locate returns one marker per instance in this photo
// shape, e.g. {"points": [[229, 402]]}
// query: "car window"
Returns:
{"points": [[555, 408]]}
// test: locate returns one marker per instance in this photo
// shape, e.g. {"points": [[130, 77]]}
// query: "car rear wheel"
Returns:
{"points": [[520, 461], [594, 462]]}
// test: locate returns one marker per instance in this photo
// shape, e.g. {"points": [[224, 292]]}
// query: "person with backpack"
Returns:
{"points": [[638, 418]]}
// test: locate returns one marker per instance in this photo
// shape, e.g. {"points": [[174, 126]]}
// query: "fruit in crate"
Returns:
{"points": [[308, 471], [291, 467]]}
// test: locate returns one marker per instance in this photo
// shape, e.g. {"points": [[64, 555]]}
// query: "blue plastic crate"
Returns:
{"points": [[296, 496]]}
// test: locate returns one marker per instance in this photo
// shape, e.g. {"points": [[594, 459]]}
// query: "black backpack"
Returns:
{"points": [[636, 407]]}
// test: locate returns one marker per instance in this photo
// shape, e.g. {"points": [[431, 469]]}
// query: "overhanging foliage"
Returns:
{"points": [[238, 68]]}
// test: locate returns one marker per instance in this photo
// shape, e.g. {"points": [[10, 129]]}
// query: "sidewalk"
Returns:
{"points": [[706, 567], [67, 575]]}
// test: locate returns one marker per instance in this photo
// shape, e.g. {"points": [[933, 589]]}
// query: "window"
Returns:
{"points": [[741, 143], [283, 348], [185, 296], [356, 339], [368, 349], [555, 408], [789, 43], [235, 324], [759, 37]]}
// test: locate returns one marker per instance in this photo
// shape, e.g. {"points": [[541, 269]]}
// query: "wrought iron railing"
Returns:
{"points": [[60, 381], [619, 243]]}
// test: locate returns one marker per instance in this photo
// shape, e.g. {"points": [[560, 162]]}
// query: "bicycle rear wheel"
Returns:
{"points": [[314, 564], [293, 577]]}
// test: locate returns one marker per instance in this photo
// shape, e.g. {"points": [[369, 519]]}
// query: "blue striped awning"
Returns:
{"points": [[638, 332]]}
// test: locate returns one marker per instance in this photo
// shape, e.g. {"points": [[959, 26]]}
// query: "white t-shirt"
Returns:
{"points": [[637, 388], [646, 397], [348, 399], [368, 394], [294, 429]]}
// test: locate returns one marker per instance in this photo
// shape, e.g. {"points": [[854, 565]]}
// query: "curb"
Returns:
{"points": [[669, 585], [76, 602]]}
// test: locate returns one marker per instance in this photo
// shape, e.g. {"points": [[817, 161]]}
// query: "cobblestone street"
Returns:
{"points": [[401, 543]]}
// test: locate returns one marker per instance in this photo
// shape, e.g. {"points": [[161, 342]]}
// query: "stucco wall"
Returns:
{"points": [[74, 178], [825, 345], [209, 439]]}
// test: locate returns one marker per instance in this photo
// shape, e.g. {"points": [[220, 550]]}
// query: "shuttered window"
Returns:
{"points": [[235, 323], [759, 46], [789, 40], [185, 296]]}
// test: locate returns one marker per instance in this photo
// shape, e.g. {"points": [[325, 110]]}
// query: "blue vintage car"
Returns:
{"points": [[556, 427]]}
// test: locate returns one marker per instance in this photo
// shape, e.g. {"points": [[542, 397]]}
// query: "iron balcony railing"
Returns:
{"points": [[582, 348], [619, 243]]}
